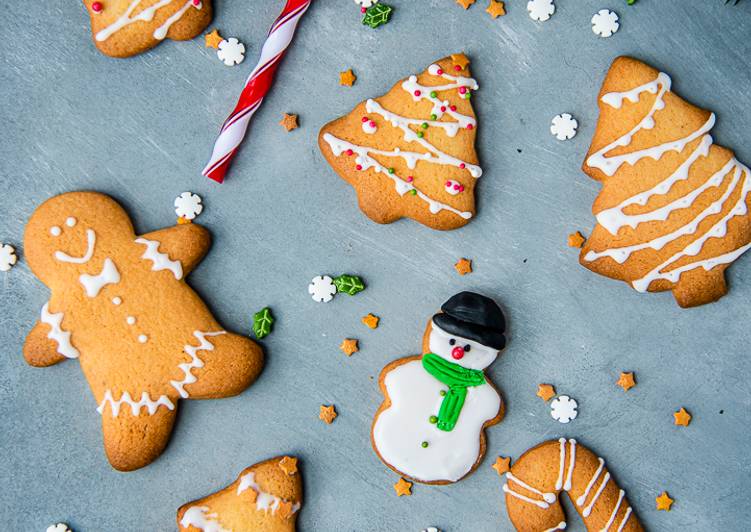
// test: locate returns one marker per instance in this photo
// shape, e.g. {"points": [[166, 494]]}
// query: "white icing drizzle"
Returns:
{"points": [[264, 501], [93, 284], [621, 254], [621, 493], [541, 504], [450, 128], [583, 497], [559, 482], [559, 526], [571, 462], [588, 509], [402, 186], [369, 127], [135, 406], [200, 518], [195, 362], [629, 511], [161, 261], [437, 156], [90, 243], [145, 15], [547, 497], [57, 333]]}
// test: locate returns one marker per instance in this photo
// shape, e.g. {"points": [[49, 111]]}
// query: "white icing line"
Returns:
{"points": [[200, 518], [559, 526], [57, 333], [541, 504], [146, 15], [90, 243], [93, 284], [621, 494], [580, 501], [161, 32], [571, 464], [402, 186], [450, 128], [135, 406], [561, 465], [629, 511], [264, 500], [615, 99], [195, 362], [161, 261], [548, 497], [588, 509]]}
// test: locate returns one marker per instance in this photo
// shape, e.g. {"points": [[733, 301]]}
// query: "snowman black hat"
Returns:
{"points": [[475, 317]]}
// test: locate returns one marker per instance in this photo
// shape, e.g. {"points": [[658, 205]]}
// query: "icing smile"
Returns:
{"points": [[90, 243]]}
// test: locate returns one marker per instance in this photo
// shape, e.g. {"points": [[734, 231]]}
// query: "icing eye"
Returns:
{"points": [[452, 342], [467, 348]]}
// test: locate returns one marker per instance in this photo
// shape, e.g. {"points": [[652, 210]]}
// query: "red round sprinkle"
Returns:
{"points": [[371, 123], [457, 68], [97, 7], [363, 10], [456, 187], [359, 167], [448, 183], [364, 119], [453, 107], [470, 126], [349, 152], [418, 93], [461, 188], [462, 90], [196, 3], [462, 166], [410, 179], [439, 71]]}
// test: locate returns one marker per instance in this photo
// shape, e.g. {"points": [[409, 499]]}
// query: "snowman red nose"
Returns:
{"points": [[457, 353]]}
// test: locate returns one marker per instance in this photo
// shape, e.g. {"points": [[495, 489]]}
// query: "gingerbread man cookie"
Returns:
{"points": [[265, 497], [538, 477], [122, 28], [119, 303], [431, 426], [411, 153]]}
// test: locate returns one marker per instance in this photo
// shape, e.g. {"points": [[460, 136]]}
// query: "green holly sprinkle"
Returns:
{"points": [[433, 420], [377, 15], [349, 284], [424, 444], [433, 94], [262, 322]]}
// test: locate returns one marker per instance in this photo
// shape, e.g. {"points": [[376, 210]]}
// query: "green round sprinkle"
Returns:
{"points": [[424, 125], [420, 134], [424, 444], [413, 192], [468, 95], [391, 170], [443, 392], [433, 419], [434, 116], [433, 94]]}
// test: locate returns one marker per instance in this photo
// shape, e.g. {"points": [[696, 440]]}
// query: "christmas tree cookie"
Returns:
{"points": [[672, 213], [431, 425], [410, 153], [265, 497], [122, 28]]}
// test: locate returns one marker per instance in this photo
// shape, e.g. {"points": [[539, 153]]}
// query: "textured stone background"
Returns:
{"points": [[141, 130]]}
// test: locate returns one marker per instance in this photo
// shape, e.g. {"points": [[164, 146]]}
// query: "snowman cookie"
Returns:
{"points": [[122, 28], [120, 305], [431, 426]]}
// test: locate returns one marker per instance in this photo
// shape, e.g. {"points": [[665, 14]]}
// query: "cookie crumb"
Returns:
{"points": [[463, 266], [502, 465], [327, 414], [664, 502], [347, 78], [576, 240], [349, 346], [213, 39], [626, 381], [402, 487], [288, 464], [545, 392], [289, 122], [682, 417], [496, 9], [371, 320]]}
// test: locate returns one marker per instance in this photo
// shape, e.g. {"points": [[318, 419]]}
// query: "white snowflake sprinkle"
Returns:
{"points": [[563, 126], [231, 51], [563, 409], [540, 10], [7, 257], [431, 529], [366, 3], [605, 23], [59, 527], [322, 289], [188, 205]]}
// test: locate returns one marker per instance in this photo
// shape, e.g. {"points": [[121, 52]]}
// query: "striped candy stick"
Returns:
{"points": [[256, 86]]}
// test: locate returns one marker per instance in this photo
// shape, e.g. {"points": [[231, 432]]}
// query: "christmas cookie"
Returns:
{"points": [[120, 304], [410, 153], [538, 477], [672, 213], [431, 426], [122, 28], [265, 497]]}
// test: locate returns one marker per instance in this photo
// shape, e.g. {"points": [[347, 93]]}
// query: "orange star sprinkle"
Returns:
{"points": [[682, 417], [460, 60], [402, 487], [502, 465], [327, 414], [371, 320], [626, 381], [545, 391], [496, 9], [349, 346], [347, 78], [463, 266], [576, 240], [465, 3], [213, 39], [289, 122], [288, 465], [664, 502]]}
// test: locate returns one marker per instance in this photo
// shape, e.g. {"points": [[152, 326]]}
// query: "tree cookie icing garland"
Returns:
{"points": [[120, 304], [537, 478], [399, 151], [122, 28], [431, 425], [672, 213], [265, 497]]}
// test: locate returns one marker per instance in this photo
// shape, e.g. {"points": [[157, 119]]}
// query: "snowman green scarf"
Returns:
{"points": [[458, 379]]}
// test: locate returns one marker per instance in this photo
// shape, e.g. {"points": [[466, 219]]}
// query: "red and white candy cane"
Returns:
{"points": [[256, 86]]}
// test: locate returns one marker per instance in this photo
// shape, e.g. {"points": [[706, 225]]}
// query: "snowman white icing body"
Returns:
{"points": [[401, 431]]}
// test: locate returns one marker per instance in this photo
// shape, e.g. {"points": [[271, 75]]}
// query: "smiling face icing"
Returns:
{"points": [[466, 353]]}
